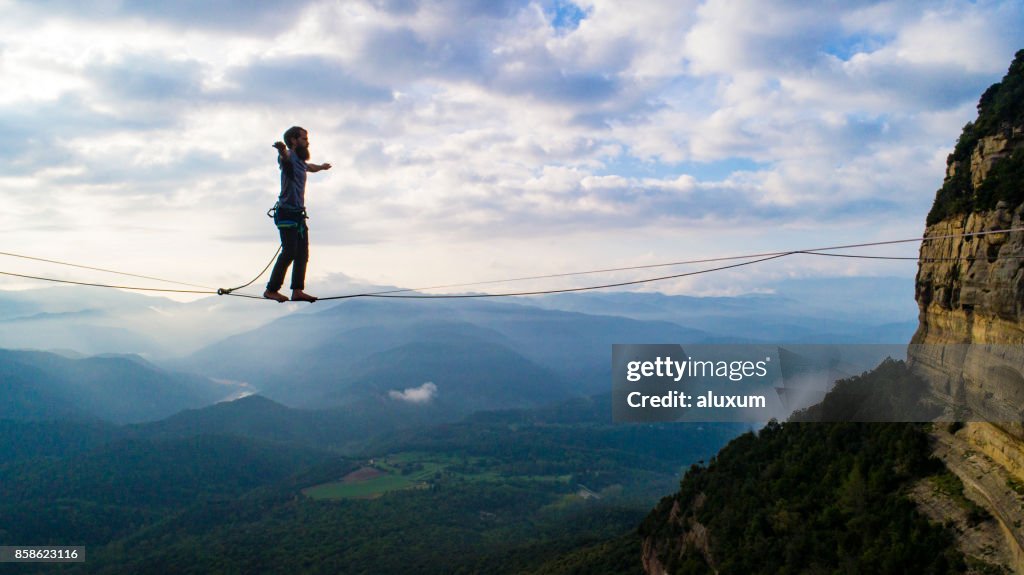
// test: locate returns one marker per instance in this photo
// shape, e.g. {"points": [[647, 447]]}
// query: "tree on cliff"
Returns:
{"points": [[1000, 109]]}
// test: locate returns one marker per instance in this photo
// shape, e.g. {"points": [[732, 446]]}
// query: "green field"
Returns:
{"points": [[361, 489], [410, 470]]}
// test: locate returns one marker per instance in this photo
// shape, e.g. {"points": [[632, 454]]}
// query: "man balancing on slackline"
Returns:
{"points": [[290, 215]]}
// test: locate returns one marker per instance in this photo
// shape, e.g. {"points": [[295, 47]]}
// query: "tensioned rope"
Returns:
{"points": [[104, 285], [647, 280], [565, 290], [761, 257], [218, 291], [766, 256], [102, 270]]}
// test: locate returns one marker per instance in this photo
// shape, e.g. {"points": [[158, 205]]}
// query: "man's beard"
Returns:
{"points": [[303, 153]]}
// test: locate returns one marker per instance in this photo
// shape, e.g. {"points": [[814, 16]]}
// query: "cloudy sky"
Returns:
{"points": [[475, 140]]}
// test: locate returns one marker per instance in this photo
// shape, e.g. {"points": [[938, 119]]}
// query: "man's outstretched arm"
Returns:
{"points": [[317, 167], [282, 150]]}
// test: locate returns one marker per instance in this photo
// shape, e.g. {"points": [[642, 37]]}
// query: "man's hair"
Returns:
{"points": [[292, 133]]}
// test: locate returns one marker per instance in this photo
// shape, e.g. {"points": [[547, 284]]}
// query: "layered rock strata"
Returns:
{"points": [[969, 344], [970, 293], [970, 339]]}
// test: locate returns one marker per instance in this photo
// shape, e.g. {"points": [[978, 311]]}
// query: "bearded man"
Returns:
{"points": [[290, 215]]}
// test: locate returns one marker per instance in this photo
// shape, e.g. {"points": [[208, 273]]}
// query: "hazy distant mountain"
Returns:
{"points": [[31, 393], [91, 320], [87, 332], [41, 385], [834, 310], [251, 417], [21, 439], [257, 417], [478, 354]]}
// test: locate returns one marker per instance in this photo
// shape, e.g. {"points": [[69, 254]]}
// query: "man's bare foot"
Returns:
{"points": [[276, 296], [299, 295]]}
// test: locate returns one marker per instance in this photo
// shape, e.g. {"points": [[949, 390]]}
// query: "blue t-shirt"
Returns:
{"points": [[293, 181]]}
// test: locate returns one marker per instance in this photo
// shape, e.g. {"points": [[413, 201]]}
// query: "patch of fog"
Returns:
{"points": [[241, 389], [161, 312], [422, 394]]}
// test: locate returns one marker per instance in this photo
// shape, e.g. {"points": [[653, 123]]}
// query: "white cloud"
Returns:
{"points": [[422, 394]]}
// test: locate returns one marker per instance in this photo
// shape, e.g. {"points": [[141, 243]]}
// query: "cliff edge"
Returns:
{"points": [[969, 344]]}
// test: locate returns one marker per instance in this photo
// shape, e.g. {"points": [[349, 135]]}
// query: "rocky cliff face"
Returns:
{"points": [[692, 537], [970, 293]]}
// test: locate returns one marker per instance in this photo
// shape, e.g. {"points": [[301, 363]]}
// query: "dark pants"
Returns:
{"points": [[294, 248]]}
